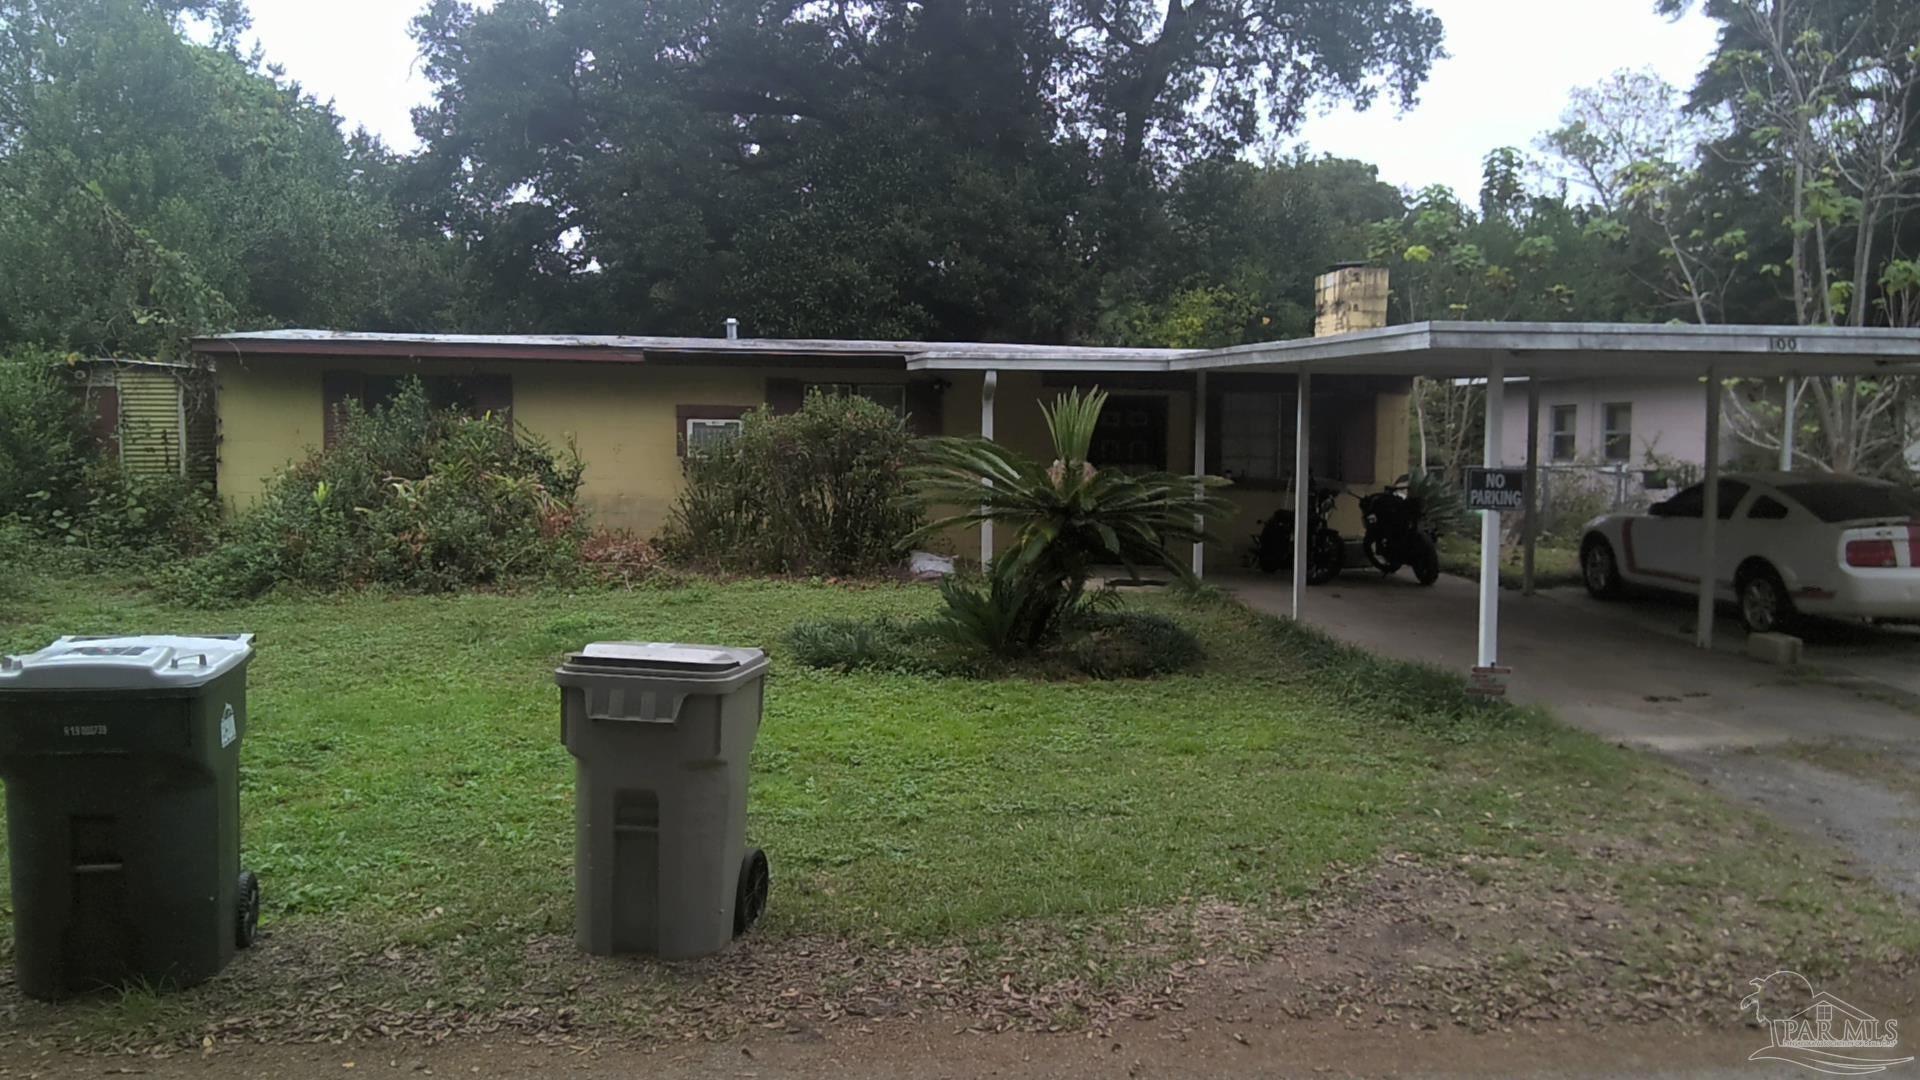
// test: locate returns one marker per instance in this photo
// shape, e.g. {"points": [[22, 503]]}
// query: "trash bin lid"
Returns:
{"points": [[147, 662], [667, 658]]}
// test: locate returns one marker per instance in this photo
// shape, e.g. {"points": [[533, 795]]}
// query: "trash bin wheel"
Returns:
{"points": [[246, 926], [750, 897]]}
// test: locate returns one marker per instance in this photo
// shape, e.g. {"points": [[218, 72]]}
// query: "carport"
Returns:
{"points": [[1496, 353]]}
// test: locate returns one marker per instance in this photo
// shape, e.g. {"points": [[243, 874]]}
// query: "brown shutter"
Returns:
{"points": [[923, 406], [336, 389], [785, 395], [1357, 447], [106, 419], [492, 394]]}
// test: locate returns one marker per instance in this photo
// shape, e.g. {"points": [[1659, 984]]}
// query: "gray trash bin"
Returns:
{"points": [[661, 734], [122, 763]]}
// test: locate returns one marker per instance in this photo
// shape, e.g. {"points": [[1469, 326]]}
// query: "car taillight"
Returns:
{"points": [[1871, 553]]}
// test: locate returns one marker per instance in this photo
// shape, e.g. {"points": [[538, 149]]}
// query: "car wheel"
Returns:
{"points": [[1765, 607], [1599, 570]]}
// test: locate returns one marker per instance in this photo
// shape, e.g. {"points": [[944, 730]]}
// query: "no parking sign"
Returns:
{"points": [[1496, 489]]}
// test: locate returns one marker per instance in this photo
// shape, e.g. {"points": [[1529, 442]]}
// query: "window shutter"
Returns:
{"points": [[785, 395], [105, 424], [923, 407], [336, 389]]}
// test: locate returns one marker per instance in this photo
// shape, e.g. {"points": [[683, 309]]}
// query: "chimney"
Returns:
{"points": [[733, 328], [1351, 296]]}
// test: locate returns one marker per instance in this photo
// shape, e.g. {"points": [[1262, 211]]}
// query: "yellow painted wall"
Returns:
{"points": [[269, 418], [623, 420]]}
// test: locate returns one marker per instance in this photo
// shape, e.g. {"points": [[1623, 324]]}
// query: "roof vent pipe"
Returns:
{"points": [[733, 328]]}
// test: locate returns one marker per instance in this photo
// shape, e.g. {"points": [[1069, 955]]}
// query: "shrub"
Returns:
{"points": [[1064, 518], [872, 644], [1130, 645], [821, 490], [45, 447], [410, 497], [1094, 642]]}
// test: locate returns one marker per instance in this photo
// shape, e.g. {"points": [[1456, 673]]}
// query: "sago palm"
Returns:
{"points": [[1067, 516]]}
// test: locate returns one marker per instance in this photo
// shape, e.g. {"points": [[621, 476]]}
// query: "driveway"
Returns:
{"points": [[1813, 745]]}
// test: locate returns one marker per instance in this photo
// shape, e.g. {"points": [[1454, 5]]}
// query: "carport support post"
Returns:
{"points": [[1490, 519], [1302, 425], [1790, 407], [1709, 516], [989, 383], [1530, 528], [1199, 466]]}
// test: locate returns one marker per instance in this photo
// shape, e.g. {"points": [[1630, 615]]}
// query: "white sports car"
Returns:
{"points": [[1787, 544]]}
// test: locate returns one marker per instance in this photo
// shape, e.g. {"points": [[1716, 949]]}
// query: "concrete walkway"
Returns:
{"points": [[1627, 672]]}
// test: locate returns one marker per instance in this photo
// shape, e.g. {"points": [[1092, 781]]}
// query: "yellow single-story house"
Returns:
{"points": [[632, 405]]}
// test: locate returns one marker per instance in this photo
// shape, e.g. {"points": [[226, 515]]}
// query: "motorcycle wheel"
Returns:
{"points": [[1376, 548], [1426, 559], [1275, 557], [1324, 558]]}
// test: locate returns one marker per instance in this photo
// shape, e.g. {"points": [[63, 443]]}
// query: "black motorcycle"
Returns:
{"points": [[1397, 534], [1273, 548]]}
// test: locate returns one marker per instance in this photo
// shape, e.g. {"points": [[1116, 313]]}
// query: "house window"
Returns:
{"points": [[704, 426], [891, 395], [1131, 434], [1251, 437], [1616, 431], [1254, 432], [1560, 433], [473, 395]]}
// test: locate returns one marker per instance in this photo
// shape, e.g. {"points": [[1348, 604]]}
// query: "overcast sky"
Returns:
{"points": [[1513, 63]]}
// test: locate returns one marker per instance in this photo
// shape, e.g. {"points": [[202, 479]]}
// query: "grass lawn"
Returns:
{"points": [[1552, 565], [406, 797]]}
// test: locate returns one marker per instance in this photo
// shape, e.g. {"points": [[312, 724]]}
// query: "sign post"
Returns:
{"points": [[1495, 491]]}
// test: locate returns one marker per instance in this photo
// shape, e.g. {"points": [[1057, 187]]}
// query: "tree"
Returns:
{"points": [[152, 187], [961, 168], [1822, 98], [1609, 129]]}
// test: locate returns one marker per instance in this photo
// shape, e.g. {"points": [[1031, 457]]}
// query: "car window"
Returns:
{"points": [[1767, 508], [1692, 502], [1731, 492], [1689, 503], [1852, 500]]}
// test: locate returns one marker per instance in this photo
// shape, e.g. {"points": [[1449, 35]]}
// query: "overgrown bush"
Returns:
{"points": [[45, 447], [410, 497], [56, 485], [821, 490]]}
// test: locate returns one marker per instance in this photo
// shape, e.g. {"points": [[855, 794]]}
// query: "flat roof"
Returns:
{"points": [[1582, 350], [1435, 349], [636, 349]]}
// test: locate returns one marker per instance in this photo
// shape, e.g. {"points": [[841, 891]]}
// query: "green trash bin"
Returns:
{"points": [[121, 757], [661, 735]]}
